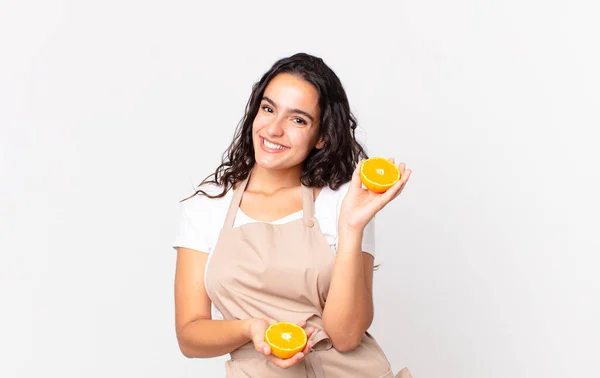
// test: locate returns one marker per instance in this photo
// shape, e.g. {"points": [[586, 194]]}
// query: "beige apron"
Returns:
{"points": [[283, 271]]}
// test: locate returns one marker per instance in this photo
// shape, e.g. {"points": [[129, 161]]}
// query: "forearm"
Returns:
{"points": [[211, 338], [348, 312]]}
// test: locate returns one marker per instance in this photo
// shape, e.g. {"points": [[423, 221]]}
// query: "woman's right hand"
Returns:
{"points": [[257, 329]]}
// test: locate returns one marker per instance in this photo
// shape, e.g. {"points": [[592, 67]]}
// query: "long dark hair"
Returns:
{"points": [[332, 165]]}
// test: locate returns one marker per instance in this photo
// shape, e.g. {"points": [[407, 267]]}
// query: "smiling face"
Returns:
{"points": [[286, 127]]}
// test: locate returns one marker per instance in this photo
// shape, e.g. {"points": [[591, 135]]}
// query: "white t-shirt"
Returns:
{"points": [[201, 220]]}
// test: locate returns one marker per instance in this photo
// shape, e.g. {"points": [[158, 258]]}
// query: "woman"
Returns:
{"points": [[283, 231]]}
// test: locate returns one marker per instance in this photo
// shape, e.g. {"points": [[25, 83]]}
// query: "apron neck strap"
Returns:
{"points": [[308, 205], [235, 202]]}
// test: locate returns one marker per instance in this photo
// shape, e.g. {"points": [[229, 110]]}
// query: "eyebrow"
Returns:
{"points": [[291, 110]]}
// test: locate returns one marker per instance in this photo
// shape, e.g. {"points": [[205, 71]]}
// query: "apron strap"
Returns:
{"points": [[308, 206], [235, 203], [314, 367]]}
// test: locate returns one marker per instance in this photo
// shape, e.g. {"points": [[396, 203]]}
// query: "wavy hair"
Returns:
{"points": [[332, 165]]}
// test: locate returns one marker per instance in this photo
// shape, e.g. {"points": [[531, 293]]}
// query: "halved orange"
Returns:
{"points": [[379, 174], [285, 339]]}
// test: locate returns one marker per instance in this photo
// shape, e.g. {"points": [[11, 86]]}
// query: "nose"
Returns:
{"points": [[275, 128]]}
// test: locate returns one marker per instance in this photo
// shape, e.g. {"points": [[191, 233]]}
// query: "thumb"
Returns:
{"points": [[262, 347], [356, 182]]}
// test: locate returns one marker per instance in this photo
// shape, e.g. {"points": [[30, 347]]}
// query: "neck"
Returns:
{"points": [[271, 180]]}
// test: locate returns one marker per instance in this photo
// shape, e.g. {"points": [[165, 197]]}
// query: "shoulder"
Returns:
{"points": [[334, 195], [201, 218], [328, 203], [201, 208]]}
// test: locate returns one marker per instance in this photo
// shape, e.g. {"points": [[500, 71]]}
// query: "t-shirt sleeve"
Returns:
{"points": [[191, 230]]}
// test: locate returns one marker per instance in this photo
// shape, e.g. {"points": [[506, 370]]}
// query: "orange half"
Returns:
{"points": [[285, 339], [379, 174]]}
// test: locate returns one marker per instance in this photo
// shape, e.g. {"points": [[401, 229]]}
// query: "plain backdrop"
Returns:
{"points": [[111, 112]]}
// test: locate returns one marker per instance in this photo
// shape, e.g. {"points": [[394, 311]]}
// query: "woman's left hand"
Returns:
{"points": [[360, 205], [257, 336]]}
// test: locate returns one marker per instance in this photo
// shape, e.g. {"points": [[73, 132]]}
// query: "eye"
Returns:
{"points": [[267, 109], [300, 121]]}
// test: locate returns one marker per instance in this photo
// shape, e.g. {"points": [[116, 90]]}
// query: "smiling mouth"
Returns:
{"points": [[272, 146]]}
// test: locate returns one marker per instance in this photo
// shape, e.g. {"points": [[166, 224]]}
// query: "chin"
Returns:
{"points": [[267, 163]]}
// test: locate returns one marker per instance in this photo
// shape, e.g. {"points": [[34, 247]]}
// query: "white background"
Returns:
{"points": [[111, 112]]}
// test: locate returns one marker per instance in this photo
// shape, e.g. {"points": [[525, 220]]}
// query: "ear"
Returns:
{"points": [[320, 143]]}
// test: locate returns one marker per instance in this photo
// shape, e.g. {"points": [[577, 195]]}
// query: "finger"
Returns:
{"points": [[398, 183], [392, 160], [309, 344], [405, 176], [301, 324], [391, 193], [404, 180], [356, 176], [401, 168], [276, 361], [262, 347], [287, 363], [294, 359], [404, 173], [308, 347], [297, 357]]}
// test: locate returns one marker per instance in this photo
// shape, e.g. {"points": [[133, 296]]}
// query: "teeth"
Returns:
{"points": [[273, 145]]}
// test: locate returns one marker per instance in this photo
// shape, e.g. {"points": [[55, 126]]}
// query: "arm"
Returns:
{"points": [[197, 334], [348, 312], [200, 336]]}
